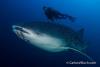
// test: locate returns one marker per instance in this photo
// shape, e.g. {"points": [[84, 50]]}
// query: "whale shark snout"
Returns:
{"points": [[19, 28], [21, 31]]}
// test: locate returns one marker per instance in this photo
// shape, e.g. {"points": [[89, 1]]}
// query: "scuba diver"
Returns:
{"points": [[54, 14]]}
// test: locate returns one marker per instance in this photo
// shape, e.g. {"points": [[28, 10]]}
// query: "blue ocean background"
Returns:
{"points": [[14, 51]]}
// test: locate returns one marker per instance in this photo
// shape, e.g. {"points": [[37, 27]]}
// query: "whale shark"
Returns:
{"points": [[52, 37]]}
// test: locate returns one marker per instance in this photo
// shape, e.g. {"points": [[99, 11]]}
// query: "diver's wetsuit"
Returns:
{"points": [[53, 14]]}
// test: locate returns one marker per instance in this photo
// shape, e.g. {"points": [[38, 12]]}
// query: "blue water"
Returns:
{"points": [[14, 51]]}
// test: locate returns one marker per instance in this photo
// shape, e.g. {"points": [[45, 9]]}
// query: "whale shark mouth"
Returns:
{"points": [[20, 31], [18, 28]]}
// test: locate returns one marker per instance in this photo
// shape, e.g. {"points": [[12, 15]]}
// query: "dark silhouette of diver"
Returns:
{"points": [[54, 14]]}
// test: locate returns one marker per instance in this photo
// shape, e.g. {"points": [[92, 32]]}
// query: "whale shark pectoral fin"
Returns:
{"points": [[82, 54], [68, 48]]}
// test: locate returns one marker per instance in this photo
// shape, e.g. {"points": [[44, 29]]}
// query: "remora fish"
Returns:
{"points": [[51, 37]]}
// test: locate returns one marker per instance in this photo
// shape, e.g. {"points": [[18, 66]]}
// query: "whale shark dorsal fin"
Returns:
{"points": [[79, 35]]}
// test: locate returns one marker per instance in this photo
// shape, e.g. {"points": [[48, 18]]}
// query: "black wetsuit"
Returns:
{"points": [[53, 15]]}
